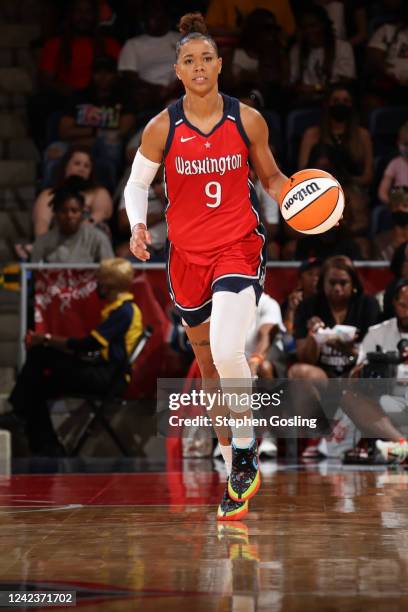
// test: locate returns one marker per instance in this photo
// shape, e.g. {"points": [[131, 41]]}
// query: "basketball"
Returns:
{"points": [[312, 201]]}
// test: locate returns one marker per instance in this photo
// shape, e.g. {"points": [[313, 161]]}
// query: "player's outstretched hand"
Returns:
{"points": [[138, 242]]}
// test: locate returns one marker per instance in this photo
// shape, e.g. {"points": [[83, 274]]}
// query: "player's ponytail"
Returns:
{"points": [[192, 26]]}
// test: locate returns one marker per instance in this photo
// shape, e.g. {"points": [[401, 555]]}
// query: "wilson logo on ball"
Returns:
{"points": [[312, 201], [300, 195]]}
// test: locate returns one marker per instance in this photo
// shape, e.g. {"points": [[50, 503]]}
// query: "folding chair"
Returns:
{"points": [[99, 403]]}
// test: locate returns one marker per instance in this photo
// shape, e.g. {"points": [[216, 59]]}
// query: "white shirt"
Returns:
{"points": [[343, 64], [269, 206], [395, 47], [386, 335], [268, 312], [242, 62], [152, 57]]}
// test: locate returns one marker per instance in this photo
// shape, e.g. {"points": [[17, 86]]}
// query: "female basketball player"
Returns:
{"points": [[216, 258]]}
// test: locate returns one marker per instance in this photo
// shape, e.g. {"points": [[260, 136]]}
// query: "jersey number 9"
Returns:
{"points": [[213, 191]]}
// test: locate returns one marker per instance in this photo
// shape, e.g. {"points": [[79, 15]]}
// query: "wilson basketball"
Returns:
{"points": [[312, 201]]}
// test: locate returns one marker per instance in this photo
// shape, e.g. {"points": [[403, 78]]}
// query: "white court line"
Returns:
{"points": [[23, 509]]}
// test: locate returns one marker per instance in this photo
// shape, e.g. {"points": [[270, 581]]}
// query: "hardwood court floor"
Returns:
{"points": [[312, 542]]}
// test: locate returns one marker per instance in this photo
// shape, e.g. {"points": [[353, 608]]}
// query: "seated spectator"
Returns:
{"points": [[96, 117], [387, 241], [262, 338], [306, 287], [399, 268], [389, 335], [349, 18], [339, 300], [386, 60], [260, 59], [71, 240], [341, 138], [58, 366], [77, 161], [396, 173], [147, 61], [66, 61], [343, 147], [318, 59], [226, 17]]}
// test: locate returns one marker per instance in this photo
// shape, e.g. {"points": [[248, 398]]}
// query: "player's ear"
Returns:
{"points": [[175, 70], [219, 65]]}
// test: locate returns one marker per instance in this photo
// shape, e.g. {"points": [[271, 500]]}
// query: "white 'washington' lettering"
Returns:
{"points": [[208, 165]]}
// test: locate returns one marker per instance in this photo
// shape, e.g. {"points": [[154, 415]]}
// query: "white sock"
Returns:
{"points": [[242, 442], [226, 452]]}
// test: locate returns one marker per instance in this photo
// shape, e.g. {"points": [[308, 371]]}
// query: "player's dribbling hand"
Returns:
{"points": [[138, 242]]}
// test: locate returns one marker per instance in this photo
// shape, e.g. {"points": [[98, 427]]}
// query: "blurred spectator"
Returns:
{"points": [[349, 18], [155, 211], [387, 241], [399, 268], [339, 300], [98, 203], [396, 173], [96, 117], [71, 240], [66, 61], [306, 287], [356, 20], [147, 61], [335, 11], [260, 59], [341, 139], [344, 148], [386, 59], [261, 339], [56, 366], [226, 17], [318, 59]]}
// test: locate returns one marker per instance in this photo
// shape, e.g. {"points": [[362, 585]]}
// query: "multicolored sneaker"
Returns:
{"points": [[245, 478], [393, 452], [230, 510]]}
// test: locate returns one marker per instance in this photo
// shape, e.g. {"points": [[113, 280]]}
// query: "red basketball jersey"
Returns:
{"points": [[211, 202]]}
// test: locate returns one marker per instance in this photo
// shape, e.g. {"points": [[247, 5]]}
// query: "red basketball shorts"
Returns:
{"points": [[193, 278]]}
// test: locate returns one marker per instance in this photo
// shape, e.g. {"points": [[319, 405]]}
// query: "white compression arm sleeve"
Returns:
{"points": [[137, 188]]}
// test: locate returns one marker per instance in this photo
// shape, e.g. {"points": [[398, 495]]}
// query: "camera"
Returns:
{"points": [[384, 364]]}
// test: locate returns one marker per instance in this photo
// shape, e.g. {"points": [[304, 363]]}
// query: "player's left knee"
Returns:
{"points": [[227, 359]]}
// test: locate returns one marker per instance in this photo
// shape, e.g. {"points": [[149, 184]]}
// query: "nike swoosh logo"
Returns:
{"points": [[182, 139]]}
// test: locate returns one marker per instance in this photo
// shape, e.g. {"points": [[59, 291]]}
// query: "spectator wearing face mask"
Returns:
{"points": [[396, 173], [341, 146]]}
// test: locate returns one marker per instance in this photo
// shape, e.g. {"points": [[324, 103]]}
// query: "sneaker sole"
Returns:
{"points": [[233, 516], [249, 493]]}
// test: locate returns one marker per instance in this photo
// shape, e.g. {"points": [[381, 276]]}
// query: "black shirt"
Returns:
{"points": [[363, 312]]}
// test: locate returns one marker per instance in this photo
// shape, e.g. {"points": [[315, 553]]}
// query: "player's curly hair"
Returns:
{"points": [[116, 273], [192, 26]]}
